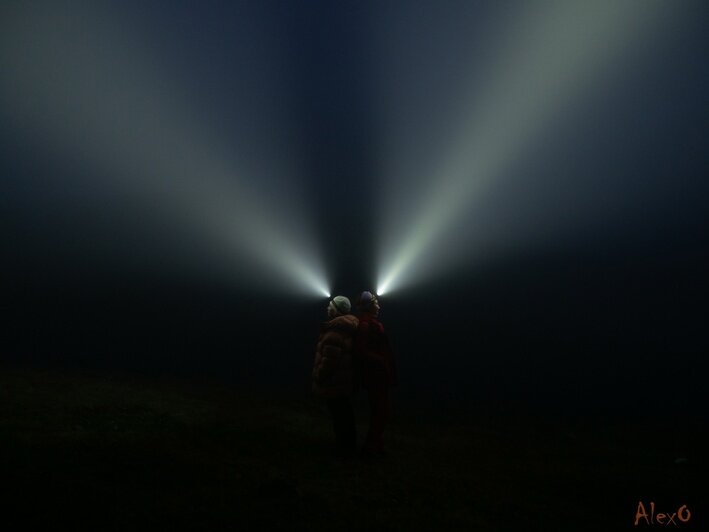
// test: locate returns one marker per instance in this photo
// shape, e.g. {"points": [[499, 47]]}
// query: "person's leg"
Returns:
{"points": [[378, 416], [333, 407], [343, 423], [349, 430]]}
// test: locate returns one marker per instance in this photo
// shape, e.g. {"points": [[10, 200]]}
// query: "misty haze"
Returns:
{"points": [[186, 187]]}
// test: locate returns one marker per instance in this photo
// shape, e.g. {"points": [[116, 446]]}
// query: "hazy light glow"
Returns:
{"points": [[550, 53], [76, 78]]}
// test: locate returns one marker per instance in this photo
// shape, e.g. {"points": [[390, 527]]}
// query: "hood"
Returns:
{"points": [[348, 322]]}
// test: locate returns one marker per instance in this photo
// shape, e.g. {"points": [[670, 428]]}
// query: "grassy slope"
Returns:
{"points": [[126, 453]]}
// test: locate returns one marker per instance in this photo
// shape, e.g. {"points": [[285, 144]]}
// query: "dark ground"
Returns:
{"points": [[93, 450]]}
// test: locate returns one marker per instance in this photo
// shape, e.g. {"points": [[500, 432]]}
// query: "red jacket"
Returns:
{"points": [[377, 362]]}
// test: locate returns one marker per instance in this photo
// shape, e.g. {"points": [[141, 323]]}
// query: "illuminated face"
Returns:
{"points": [[374, 308], [331, 311]]}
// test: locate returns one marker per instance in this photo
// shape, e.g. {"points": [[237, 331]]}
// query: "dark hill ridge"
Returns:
{"points": [[100, 452]]}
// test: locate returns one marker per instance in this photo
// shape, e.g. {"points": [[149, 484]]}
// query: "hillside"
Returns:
{"points": [[102, 452]]}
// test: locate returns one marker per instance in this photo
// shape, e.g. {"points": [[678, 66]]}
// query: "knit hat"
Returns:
{"points": [[341, 304], [366, 299]]}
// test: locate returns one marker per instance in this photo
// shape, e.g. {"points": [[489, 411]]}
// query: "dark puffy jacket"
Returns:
{"points": [[333, 372]]}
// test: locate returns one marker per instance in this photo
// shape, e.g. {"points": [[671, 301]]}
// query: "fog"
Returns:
{"points": [[524, 184]]}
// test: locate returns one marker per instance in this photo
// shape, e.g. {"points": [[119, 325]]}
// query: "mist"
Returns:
{"points": [[524, 186]]}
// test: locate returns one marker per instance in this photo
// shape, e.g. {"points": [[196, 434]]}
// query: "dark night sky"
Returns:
{"points": [[606, 309]]}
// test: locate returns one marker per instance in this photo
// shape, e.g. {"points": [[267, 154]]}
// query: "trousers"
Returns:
{"points": [[379, 413], [343, 424]]}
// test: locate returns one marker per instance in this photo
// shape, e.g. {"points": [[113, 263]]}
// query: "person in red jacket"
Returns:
{"points": [[333, 374], [378, 370]]}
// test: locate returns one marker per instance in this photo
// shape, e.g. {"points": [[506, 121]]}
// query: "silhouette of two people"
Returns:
{"points": [[352, 353]]}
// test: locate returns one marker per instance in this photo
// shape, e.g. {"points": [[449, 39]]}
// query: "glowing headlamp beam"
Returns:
{"points": [[82, 84], [558, 52]]}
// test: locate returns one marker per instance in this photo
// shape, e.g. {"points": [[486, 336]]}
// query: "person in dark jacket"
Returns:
{"points": [[378, 371], [333, 371]]}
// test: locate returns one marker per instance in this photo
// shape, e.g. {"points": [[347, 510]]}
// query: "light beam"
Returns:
{"points": [[78, 78], [548, 56]]}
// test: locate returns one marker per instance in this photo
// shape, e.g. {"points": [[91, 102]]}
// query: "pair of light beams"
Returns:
{"points": [[78, 80]]}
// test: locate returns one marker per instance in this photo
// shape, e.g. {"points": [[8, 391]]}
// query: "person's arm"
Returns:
{"points": [[329, 361], [390, 361], [316, 367], [361, 347]]}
